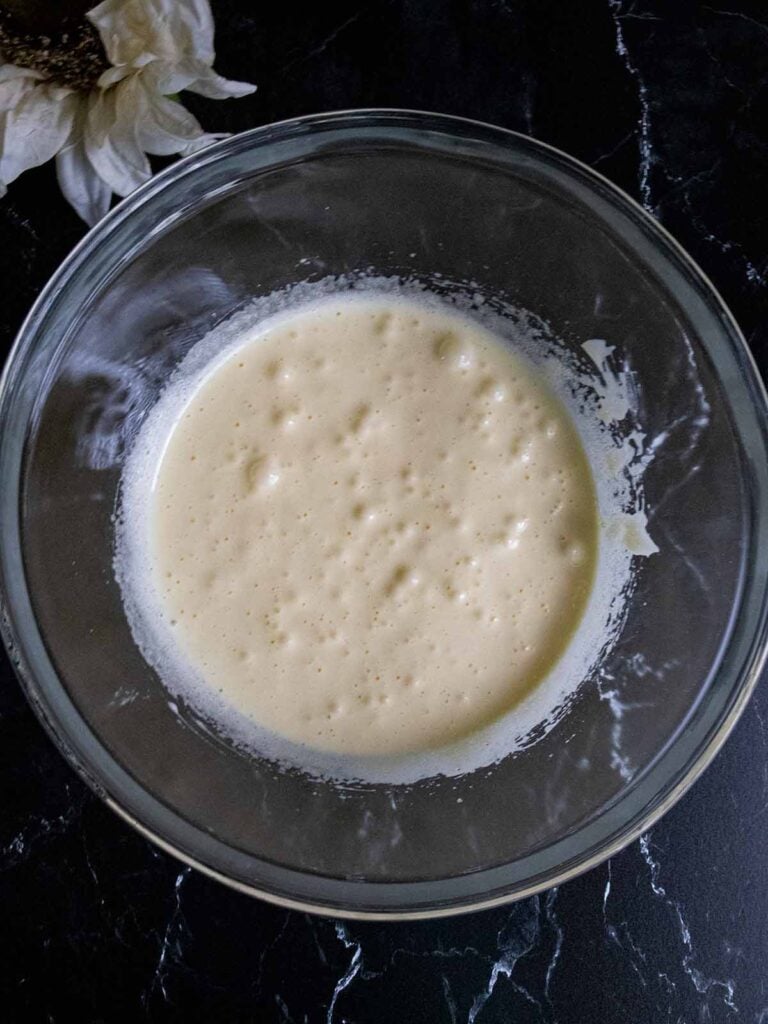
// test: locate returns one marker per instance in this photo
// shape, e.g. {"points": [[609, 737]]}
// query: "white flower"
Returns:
{"points": [[101, 138]]}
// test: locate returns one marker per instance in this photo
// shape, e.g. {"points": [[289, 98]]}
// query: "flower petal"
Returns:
{"points": [[167, 78], [173, 38], [110, 136], [81, 185], [125, 29], [112, 76], [13, 73], [35, 129], [217, 88], [192, 27], [167, 127], [13, 90], [167, 29]]}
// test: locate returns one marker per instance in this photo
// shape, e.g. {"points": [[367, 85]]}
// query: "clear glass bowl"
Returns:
{"points": [[444, 200]]}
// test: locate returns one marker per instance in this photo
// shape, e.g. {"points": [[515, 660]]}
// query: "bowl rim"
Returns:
{"points": [[25, 644]]}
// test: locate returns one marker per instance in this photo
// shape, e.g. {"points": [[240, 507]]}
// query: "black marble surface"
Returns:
{"points": [[668, 98]]}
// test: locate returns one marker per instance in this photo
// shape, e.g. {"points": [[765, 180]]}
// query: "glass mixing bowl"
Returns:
{"points": [[439, 199]]}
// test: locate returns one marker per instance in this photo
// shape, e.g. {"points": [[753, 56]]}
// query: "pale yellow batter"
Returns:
{"points": [[372, 527]]}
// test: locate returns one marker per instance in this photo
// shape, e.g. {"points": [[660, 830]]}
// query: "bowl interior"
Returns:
{"points": [[443, 202]]}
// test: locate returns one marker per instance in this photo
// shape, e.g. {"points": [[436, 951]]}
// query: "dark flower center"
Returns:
{"points": [[54, 39]]}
